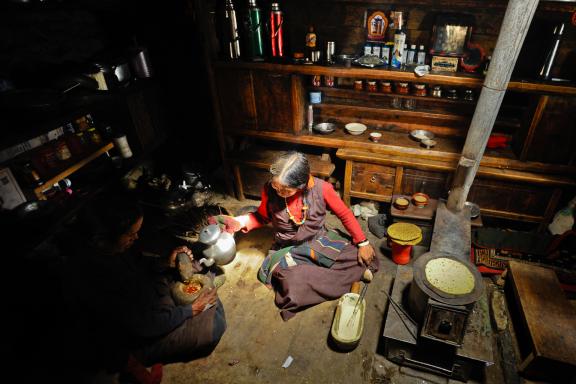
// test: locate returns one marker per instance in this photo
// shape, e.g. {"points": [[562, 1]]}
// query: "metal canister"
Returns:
{"points": [[276, 32], [330, 49], [254, 28]]}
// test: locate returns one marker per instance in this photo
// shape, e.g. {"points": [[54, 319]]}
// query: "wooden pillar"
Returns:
{"points": [[514, 28]]}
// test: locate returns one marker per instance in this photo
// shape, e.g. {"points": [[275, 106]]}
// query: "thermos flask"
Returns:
{"points": [[276, 38], [254, 32], [234, 37]]}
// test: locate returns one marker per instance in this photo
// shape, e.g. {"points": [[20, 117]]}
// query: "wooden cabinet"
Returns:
{"points": [[525, 180]]}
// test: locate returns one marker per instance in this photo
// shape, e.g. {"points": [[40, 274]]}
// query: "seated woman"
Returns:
{"points": [[120, 301], [307, 264]]}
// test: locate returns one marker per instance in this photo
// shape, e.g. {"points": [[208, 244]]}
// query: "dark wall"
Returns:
{"points": [[42, 41]]}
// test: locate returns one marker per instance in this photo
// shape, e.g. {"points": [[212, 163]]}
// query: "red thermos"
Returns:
{"points": [[276, 20]]}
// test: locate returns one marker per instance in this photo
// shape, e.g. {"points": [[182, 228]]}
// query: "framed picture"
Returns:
{"points": [[450, 34], [376, 24], [10, 193]]}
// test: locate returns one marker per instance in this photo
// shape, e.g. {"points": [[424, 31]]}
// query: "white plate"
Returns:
{"points": [[355, 128]]}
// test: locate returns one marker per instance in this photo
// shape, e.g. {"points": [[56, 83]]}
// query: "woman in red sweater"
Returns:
{"points": [[307, 263]]}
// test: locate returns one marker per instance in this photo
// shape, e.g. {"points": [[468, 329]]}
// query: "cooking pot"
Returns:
{"points": [[221, 247]]}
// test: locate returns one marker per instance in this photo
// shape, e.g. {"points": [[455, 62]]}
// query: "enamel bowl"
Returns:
{"points": [[355, 128]]}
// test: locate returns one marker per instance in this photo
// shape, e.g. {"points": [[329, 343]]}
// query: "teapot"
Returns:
{"points": [[221, 248]]}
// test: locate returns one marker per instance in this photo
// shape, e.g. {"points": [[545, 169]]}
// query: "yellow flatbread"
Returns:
{"points": [[404, 231], [449, 276]]}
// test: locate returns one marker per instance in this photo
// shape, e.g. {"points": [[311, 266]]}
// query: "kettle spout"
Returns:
{"points": [[207, 262]]}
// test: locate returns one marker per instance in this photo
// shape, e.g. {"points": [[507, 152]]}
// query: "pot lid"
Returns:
{"points": [[209, 234], [448, 279]]}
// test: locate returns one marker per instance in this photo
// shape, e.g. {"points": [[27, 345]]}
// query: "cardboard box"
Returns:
{"points": [[444, 64]]}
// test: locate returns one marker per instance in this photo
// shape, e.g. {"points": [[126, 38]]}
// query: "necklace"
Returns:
{"points": [[304, 211]]}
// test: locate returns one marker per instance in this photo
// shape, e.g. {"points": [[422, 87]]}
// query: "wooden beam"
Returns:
{"points": [[538, 113]]}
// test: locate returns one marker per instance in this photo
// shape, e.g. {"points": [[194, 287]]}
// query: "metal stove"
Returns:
{"points": [[441, 333]]}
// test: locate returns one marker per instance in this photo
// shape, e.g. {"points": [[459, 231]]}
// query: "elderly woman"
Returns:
{"points": [[307, 264], [124, 315]]}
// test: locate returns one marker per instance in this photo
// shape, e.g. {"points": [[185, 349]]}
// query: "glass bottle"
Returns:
{"points": [[311, 40], [399, 41]]}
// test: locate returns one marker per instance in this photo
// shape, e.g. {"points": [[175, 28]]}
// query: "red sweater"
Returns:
{"points": [[333, 201]]}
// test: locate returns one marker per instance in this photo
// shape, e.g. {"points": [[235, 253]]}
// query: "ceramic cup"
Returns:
{"points": [[375, 136], [315, 97]]}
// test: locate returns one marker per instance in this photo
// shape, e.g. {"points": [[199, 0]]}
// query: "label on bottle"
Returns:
{"points": [[398, 51]]}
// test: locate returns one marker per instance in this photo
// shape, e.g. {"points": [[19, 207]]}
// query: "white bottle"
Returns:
{"points": [[410, 55], [421, 56], [404, 55], [310, 117], [121, 142]]}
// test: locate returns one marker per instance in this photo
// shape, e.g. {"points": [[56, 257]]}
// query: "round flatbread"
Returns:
{"points": [[404, 231], [449, 276]]}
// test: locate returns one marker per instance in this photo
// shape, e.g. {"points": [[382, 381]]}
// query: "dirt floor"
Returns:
{"points": [[258, 342]]}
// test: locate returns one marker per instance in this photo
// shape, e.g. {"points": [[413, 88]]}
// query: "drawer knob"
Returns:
{"points": [[373, 179]]}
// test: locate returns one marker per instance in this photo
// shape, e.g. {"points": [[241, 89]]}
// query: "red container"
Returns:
{"points": [[401, 253], [276, 32]]}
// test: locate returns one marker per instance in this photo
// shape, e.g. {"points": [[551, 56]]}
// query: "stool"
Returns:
{"points": [[401, 253]]}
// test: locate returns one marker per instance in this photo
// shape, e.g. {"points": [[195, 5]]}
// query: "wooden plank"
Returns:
{"points": [[39, 191], [238, 182], [458, 79], [298, 103], [547, 316], [538, 113], [347, 182], [398, 180]]}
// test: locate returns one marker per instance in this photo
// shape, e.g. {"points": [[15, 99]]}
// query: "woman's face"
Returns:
{"points": [[126, 240], [282, 190]]}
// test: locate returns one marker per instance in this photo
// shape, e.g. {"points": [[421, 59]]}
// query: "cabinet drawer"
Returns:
{"points": [[372, 178]]}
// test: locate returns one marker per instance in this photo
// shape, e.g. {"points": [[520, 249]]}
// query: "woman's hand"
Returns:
{"points": [[366, 254], [206, 300], [176, 251]]}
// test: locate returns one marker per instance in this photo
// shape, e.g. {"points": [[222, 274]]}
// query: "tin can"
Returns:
{"points": [[358, 86], [329, 81], [437, 91], [330, 49], [316, 80]]}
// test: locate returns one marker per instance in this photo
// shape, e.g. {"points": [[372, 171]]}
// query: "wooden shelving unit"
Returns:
{"points": [[39, 191]]}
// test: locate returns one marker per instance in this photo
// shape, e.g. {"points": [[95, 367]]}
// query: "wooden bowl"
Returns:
{"points": [[401, 203], [420, 199]]}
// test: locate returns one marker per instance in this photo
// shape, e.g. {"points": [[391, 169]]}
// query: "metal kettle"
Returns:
{"points": [[221, 247]]}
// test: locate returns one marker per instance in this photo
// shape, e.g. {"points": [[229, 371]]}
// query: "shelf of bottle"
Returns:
{"points": [[39, 191], [384, 73]]}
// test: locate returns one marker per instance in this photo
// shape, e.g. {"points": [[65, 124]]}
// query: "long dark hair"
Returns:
{"points": [[105, 219]]}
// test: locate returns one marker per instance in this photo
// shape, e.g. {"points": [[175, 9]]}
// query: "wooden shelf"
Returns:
{"points": [[457, 79], [39, 191]]}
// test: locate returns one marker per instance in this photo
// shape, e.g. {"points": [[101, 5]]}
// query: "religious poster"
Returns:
{"points": [[376, 24]]}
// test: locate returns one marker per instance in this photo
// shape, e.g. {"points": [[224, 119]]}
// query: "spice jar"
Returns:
{"points": [[452, 94], [385, 87], [420, 90], [437, 91], [358, 85], [329, 81], [469, 95], [402, 88], [62, 150], [95, 137], [316, 80], [372, 86]]}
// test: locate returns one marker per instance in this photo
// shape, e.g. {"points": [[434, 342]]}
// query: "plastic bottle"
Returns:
{"points": [[421, 56], [311, 40], [399, 42], [121, 143], [410, 55], [254, 32]]}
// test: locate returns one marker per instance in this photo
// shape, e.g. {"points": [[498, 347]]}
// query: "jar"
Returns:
{"points": [[329, 81], [396, 102], [409, 103], [385, 87], [316, 80], [372, 86], [452, 94], [469, 95], [62, 151], [95, 137], [420, 90], [402, 88], [437, 91], [358, 85]]}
